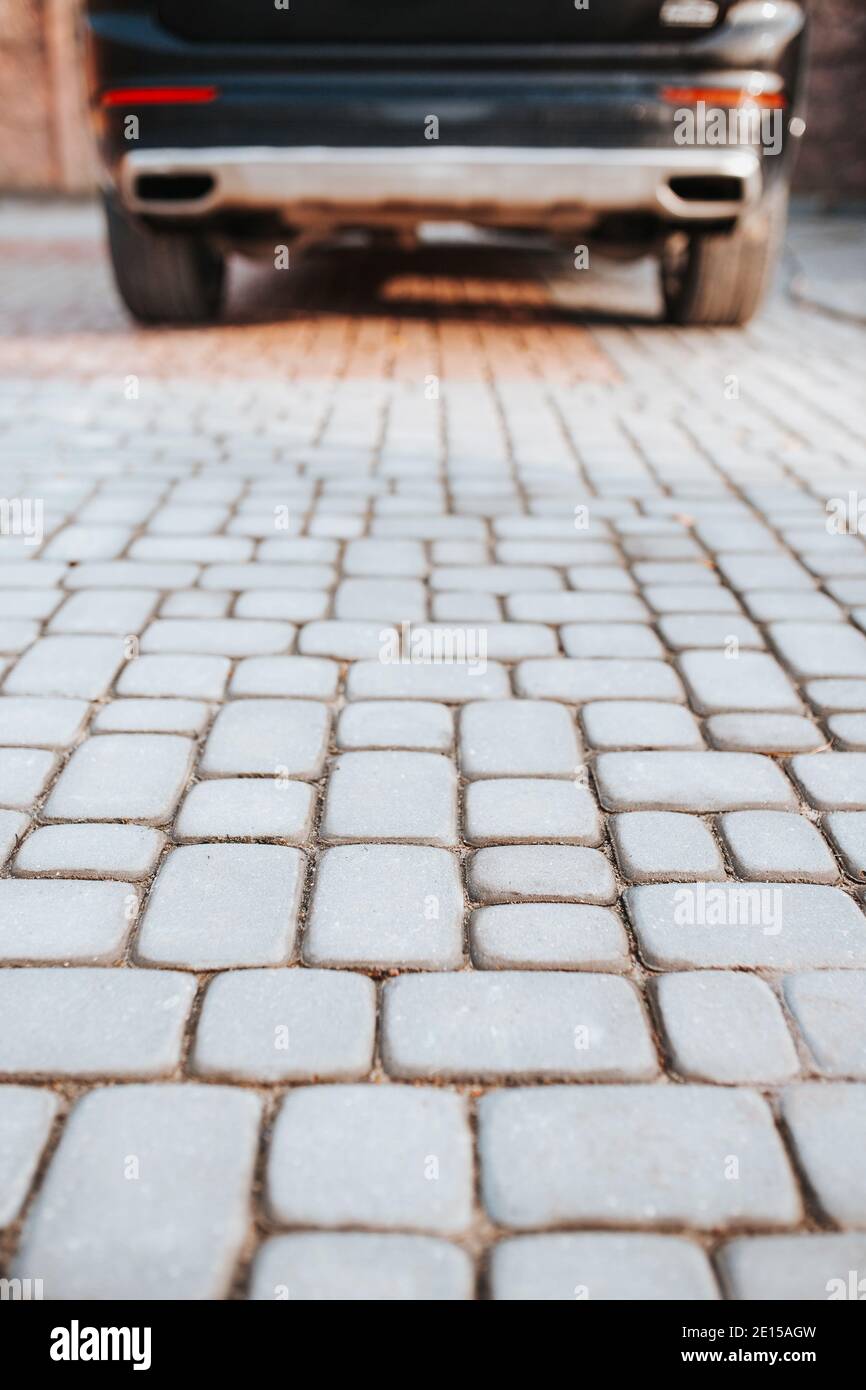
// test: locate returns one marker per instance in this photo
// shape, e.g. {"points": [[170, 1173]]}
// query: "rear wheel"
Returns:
{"points": [[722, 277], [164, 276]]}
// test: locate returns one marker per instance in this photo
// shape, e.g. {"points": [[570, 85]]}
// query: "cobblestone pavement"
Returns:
{"points": [[400, 684]]}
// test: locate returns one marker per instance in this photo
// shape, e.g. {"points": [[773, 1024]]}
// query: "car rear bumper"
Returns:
{"points": [[485, 183]]}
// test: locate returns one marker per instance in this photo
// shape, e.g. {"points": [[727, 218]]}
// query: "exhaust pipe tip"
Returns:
{"points": [[174, 188]]}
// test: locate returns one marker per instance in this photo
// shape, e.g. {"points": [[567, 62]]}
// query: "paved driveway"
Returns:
{"points": [[433, 761]]}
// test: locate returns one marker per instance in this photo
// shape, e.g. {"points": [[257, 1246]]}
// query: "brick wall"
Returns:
{"points": [[27, 145], [43, 141], [833, 160]]}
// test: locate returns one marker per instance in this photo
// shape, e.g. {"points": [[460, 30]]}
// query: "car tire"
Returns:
{"points": [[164, 276], [721, 278]]}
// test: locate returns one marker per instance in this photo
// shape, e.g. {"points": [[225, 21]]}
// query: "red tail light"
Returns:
{"points": [[722, 96], [158, 96]]}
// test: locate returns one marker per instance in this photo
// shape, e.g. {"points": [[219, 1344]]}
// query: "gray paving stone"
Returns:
{"points": [[348, 1265], [576, 608], [26, 721], [517, 738], [204, 550], [790, 926], [750, 681], [764, 572], [607, 579], [639, 724], [347, 641], [577, 681], [599, 1266], [118, 1023], [526, 810], [26, 1117], [565, 1155], [776, 844], [91, 851], [459, 552], [123, 777], [33, 575], [415, 798], [393, 724], [784, 605], [384, 557], [817, 650], [286, 738], [430, 528], [830, 1010], [454, 684], [830, 695], [848, 730], [193, 677], [508, 873], [515, 1025], [797, 1268], [247, 808], [127, 1210], [683, 631], [701, 782], [497, 579], [827, 1125], [304, 676], [832, 781], [294, 605], [724, 1026], [152, 717], [381, 600], [388, 1157], [200, 603], [541, 936], [551, 550], [65, 920], [188, 521], [13, 824], [95, 611], [76, 667], [248, 577], [380, 906], [299, 552], [847, 830], [654, 846], [649, 572], [681, 598], [24, 775], [129, 574], [217, 906], [461, 607], [764, 733], [609, 640], [499, 641], [16, 634], [286, 1025], [30, 603], [218, 636]]}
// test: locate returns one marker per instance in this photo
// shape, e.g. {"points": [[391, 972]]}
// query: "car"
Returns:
{"points": [[653, 127]]}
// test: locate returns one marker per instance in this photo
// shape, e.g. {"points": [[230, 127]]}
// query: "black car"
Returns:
{"points": [[651, 126]]}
